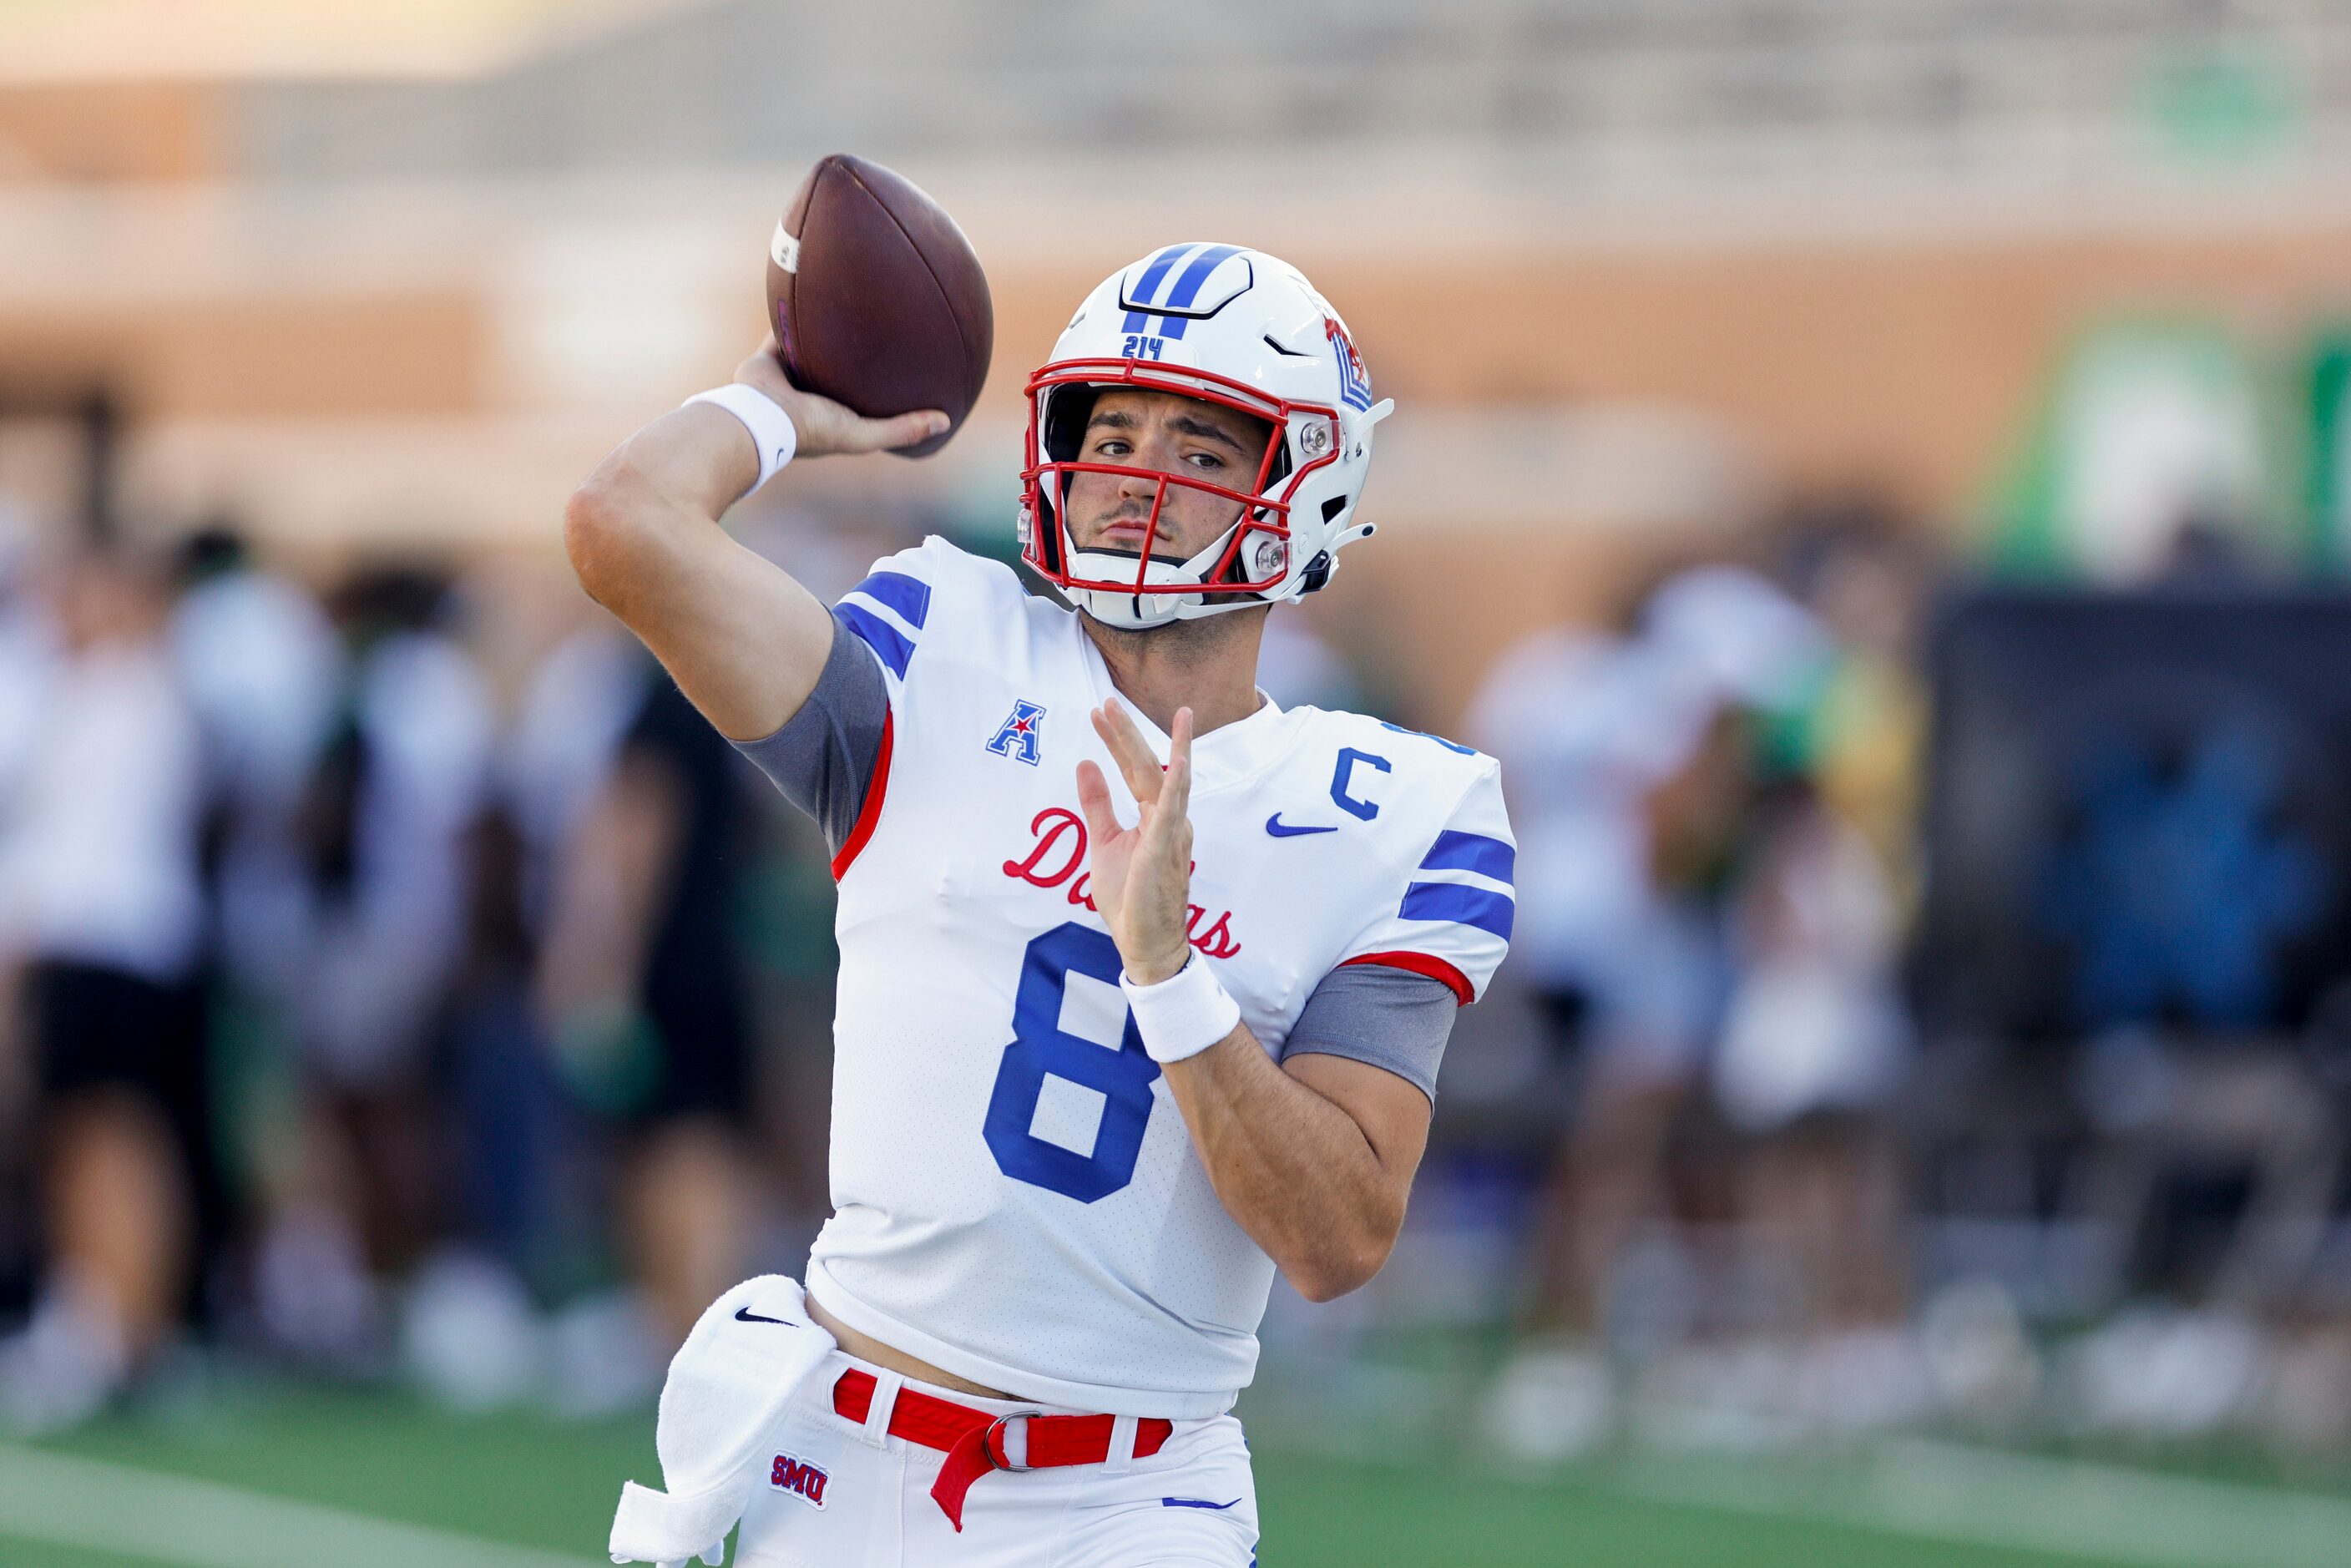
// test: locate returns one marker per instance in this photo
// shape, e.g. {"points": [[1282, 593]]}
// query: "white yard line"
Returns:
{"points": [[98, 1507], [1985, 1497]]}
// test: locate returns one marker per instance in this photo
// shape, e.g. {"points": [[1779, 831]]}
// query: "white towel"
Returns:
{"points": [[727, 1388]]}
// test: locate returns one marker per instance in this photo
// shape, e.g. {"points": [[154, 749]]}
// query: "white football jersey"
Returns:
{"points": [[1015, 1196]]}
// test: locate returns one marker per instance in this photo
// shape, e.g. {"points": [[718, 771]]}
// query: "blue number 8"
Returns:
{"points": [[1041, 1049]]}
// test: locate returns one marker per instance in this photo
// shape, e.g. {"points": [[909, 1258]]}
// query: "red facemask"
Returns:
{"points": [[1255, 553]]}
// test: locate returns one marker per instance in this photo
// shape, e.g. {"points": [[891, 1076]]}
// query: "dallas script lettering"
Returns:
{"points": [[1060, 849]]}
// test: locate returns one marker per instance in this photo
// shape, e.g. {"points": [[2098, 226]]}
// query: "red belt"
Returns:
{"points": [[975, 1440]]}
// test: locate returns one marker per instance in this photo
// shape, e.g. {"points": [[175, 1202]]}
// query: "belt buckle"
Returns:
{"points": [[998, 1442]]}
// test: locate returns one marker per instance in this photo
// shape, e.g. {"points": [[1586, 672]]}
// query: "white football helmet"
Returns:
{"points": [[1229, 325]]}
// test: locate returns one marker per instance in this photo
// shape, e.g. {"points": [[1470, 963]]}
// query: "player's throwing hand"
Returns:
{"points": [[825, 426], [1141, 876]]}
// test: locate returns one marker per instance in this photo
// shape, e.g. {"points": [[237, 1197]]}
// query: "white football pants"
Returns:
{"points": [[838, 1496]]}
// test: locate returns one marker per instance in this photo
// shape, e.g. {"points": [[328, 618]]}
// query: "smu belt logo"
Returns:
{"points": [[799, 1478], [1016, 736], [1355, 382], [1061, 850]]}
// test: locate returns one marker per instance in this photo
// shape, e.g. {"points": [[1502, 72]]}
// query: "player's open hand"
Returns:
{"points": [[1141, 877], [825, 426]]}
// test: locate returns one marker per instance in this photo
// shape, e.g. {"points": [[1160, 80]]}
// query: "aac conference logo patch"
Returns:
{"points": [[1016, 736], [802, 1479]]}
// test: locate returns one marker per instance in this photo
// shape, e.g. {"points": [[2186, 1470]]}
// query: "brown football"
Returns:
{"points": [[876, 298]]}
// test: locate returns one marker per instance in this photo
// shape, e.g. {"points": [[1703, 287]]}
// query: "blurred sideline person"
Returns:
{"points": [[642, 987], [99, 903], [263, 670], [1815, 1035], [1628, 777], [385, 824]]}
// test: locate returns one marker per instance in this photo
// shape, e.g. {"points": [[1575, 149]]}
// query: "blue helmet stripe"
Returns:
{"points": [[1149, 284], [1187, 288]]}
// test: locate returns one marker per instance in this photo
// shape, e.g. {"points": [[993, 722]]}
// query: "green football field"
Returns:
{"points": [[310, 1480]]}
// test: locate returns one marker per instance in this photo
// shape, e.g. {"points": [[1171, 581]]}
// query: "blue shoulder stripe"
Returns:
{"points": [[1457, 851], [1451, 901], [884, 639], [909, 596]]}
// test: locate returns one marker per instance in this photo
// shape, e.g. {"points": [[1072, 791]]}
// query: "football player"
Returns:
{"points": [[1144, 978]]}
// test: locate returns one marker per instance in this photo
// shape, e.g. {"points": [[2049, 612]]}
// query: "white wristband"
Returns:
{"points": [[770, 427], [1183, 1014]]}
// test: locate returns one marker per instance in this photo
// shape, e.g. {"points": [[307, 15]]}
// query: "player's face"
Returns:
{"points": [[1163, 432]]}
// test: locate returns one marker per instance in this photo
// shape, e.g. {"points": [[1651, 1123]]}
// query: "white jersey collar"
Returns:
{"points": [[1222, 757]]}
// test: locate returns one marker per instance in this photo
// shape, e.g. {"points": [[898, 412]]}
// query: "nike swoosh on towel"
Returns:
{"points": [[746, 1315], [1281, 830]]}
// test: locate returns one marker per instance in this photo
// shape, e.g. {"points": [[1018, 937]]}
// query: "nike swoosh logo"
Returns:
{"points": [[746, 1315], [1197, 1503], [1281, 830]]}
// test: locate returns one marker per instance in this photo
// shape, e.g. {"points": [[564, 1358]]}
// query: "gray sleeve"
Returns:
{"points": [[1389, 1017], [824, 757]]}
